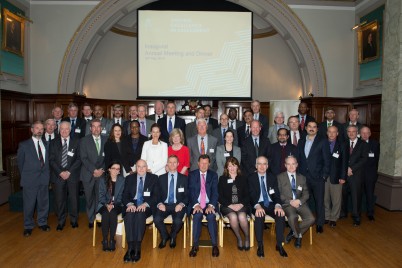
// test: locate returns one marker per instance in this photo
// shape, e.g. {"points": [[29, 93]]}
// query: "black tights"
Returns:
{"points": [[109, 223], [239, 220]]}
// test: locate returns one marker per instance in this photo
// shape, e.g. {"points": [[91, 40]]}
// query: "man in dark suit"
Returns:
{"points": [[294, 133], [265, 200], [323, 126], [202, 143], [33, 164], [139, 199], [50, 131], [191, 128], [106, 124], [219, 132], [244, 131], [254, 146], [171, 121], [93, 167], [337, 177], [132, 146], [294, 195], [314, 161], [208, 116], [370, 170], [159, 112], [118, 115], [203, 201], [233, 122], [145, 124], [256, 108], [65, 167], [133, 113], [78, 124], [357, 158], [171, 198], [304, 118], [280, 151], [353, 117], [57, 114]]}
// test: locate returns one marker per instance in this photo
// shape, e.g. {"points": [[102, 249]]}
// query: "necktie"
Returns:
{"points": [[41, 160], [49, 137], [351, 148], [331, 146], [88, 119], [264, 192], [143, 132], [329, 124], [248, 131], [64, 154], [170, 127], [293, 186], [231, 124], [159, 117], [140, 198], [97, 145], [202, 146], [223, 135], [171, 190], [203, 196], [118, 121], [72, 128], [302, 123], [294, 138], [256, 147]]}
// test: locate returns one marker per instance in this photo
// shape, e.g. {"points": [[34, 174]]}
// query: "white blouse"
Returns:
{"points": [[155, 156]]}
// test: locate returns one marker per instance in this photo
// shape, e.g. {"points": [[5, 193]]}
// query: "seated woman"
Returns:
{"points": [[110, 204], [177, 147], [279, 122], [234, 201], [223, 152], [155, 152]]}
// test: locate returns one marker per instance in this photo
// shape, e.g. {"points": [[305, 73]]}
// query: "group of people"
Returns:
{"points": [[158, 165]]}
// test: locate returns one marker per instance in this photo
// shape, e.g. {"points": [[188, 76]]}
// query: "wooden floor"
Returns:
{"points": [[373, 244]]}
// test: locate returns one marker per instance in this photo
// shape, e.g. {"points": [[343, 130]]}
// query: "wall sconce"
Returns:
{"points": [[310, 94], [77, 93], [300, 97]]}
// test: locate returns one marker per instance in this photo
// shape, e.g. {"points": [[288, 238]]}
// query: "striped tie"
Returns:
{"points": [[64, 154]]}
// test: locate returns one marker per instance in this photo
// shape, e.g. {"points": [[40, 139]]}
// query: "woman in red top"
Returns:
{"points": [[177, 147]]}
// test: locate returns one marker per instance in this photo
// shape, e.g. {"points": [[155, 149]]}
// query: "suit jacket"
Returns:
{"points": [[265, 124], [273, 133], [345, 130], [32, 174], [122, 121], [357, 160], [213, 122], [276, 156], [221, 159], [338, 165], [44, 136], [178, 123], [316, 165], [163, 189], [371, 167], [248, 153], [148, 124], [323, 127], [285, 189], [73, 159], [225, 191], [80, 127], [152, 117], [255, 189], [241, 134], [106, 125], [90, 158], [112, 153], [238, 124], [105, 196], [129, 156], [302, 134], [130, 189], [309, 118], [217, 133], [191, 130], [211, 187], [192, 144]]}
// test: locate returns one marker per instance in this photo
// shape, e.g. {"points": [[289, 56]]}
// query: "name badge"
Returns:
{"points": [[147, 193], [230, 180], [103, 154], [226, 154], [299, 188], [181, 190], [336, 155], [103, 131], [271, 191], [77, 130], [70, 154], [371, 154], [211, 150]]}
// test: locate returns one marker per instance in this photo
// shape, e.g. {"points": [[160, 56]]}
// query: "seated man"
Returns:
{"points": [[294, 195], [265, 199], [172, 197], [138, 198], [203, 189]]}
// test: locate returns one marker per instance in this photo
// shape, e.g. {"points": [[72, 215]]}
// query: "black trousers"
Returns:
{"points": [[279, 224], [63, 189], [177, 218], [317, 190], [109, 221], [135, 223]]}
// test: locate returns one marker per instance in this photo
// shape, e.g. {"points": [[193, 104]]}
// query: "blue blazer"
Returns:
{"points": [[104, 194], [211, 186]]}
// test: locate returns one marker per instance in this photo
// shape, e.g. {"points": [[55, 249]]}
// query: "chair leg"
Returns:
{"points": [[191, 231], [220, 229], [311, 235], [154, 235], [94, 234], [184, 232], [251, 233], [123, 236], [273, 228]]}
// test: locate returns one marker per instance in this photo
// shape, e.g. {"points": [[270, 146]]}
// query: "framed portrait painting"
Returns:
{"points": [[13, 33], [369, 42]]}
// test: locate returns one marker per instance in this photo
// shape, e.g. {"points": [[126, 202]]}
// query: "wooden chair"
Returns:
{"points": [[204, 220], [169, 220], [98, 218], [225, 220]]}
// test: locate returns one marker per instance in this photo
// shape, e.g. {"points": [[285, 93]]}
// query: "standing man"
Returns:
{"points": [[50, 131], [314, 161], [256, 108], [294, 195], [337, 177], [77, 124], [65, 167], [219, 132], [203, 200], [304, 118], [170, 121], [323, 126], [265, 200], [191, 128], [159, 112], [370, 170], [117, 115], [295, 135], [145, 124], [87, 116], [33, 164], [243, 132], [353, 117], [280, 151], [93, 167], [208, 117], [138, 198], [132, 111], [57, 114], [171, 199], [106, 124], [233, 122]]}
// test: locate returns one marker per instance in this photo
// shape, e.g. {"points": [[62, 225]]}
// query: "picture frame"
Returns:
{"points": [[13, 33], [368, 38]]}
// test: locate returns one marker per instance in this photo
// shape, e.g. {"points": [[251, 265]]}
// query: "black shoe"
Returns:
{"points": [[163, 242], [193, 251], [172, 242], [298, 242], [260, 251], [59, 227], [289, 237], [356, 223], [105, 246], [326, 221], [90, 225], [137, 255], [282, 251], [319, 229], [246, 245], [27, 232], [343, 216], [45, 228], [74, 225], [112, 245], [99, 224], [332, 224], [215, 251], [127, 256], [240, 245], [371, 218]]}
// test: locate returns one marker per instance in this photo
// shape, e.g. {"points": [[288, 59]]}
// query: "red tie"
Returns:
{"points": [[202, 146], [294, 138], [351, 148], [302, 123]]}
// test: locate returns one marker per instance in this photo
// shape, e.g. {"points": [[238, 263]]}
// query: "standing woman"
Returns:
{"points": [[155, 152], [177, 147], [223, 152], [234, 201], [110, 204]]}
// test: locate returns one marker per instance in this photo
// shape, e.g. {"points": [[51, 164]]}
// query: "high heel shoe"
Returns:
{"points": [[247, 245], [240, 245]]}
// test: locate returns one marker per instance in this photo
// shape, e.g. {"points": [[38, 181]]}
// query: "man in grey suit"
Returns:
{"points": [[202, 143], [33, 164], [118, 115], [294, 195], [159, 112], [145, 124], [106, 124], [191, 128], [219, 132], [93, 165]]}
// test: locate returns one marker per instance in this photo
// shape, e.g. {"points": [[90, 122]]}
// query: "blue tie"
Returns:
{"points": [[171, 191], [170, 125], [140, 191], [264, 192], [72, 128], [223, 135], [293, 185]]}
